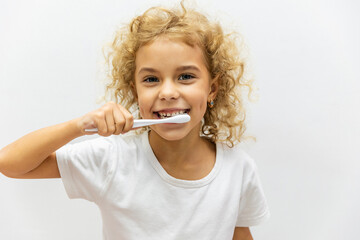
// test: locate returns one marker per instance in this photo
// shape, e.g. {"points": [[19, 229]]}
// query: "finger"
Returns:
{"points": [[101, 124], [110, 122], [129, 119], [119, 120]]}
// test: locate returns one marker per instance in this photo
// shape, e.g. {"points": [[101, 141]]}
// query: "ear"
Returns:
{"points": [[214, 88]]}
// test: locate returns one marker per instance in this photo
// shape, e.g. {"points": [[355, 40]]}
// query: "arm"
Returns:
{"points": [[33, 156], [242, 233]]}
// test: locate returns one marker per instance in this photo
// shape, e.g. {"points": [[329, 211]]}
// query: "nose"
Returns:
{"points": [[168, 90]]}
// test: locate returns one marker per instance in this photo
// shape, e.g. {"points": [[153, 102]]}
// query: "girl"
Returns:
{"points": [[168, 181]]}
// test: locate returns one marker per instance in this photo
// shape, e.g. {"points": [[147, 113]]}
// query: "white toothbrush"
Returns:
{"points": [[182, 118]]}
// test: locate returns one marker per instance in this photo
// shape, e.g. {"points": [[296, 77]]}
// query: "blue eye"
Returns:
{"points": [[151, 79], [185, 77]]}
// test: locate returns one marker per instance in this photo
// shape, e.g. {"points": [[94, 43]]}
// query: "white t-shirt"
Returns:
{"points": [[138, 199]]}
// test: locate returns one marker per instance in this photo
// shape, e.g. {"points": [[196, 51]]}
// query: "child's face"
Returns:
{"points": [[171, 77]]}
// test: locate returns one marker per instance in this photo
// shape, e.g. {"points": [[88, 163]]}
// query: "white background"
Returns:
{"points": [[305, 56]]}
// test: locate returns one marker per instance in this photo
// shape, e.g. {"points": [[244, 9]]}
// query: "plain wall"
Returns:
{"points": [[305, 57]]}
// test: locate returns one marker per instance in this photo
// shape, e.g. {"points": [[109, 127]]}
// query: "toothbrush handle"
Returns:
{"points": [[142, 123], [137, 123]]}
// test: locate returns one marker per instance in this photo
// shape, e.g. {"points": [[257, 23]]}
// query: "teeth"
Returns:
{"points": [[163, 115]]}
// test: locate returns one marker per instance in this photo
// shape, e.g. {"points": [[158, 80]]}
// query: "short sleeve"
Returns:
{"points": [[253, 208], [86, 168]]}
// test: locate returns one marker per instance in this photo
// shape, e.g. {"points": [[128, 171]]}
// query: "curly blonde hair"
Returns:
{"points": [[225, 121]]}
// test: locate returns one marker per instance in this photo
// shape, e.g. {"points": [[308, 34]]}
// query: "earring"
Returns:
{"points": [[211, 103]]}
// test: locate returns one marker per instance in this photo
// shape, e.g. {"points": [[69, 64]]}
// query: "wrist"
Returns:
{"points": [[75, 127]]}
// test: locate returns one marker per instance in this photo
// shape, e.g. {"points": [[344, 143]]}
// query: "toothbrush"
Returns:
{"points": [[182, 118]]}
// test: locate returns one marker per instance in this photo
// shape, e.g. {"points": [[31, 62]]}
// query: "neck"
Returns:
{"points": [[183, 152]]}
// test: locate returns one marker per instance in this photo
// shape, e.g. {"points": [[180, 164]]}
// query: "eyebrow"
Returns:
{"points": [[181, 68]]}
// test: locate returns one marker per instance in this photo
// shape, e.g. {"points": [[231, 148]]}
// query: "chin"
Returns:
{"points": [[171, 135]]}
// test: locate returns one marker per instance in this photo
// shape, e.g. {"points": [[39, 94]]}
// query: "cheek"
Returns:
{"points": [[142, 107], [200, 98], [203, 102], [145, 102]]}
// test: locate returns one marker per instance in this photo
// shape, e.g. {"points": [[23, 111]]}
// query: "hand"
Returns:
{"points": [[110, 119]]}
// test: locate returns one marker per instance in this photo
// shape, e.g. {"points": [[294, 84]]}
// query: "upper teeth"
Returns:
{"points": [[171, 114]]}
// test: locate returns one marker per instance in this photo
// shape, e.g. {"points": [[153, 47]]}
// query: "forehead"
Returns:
{"points": [[168, 53]]}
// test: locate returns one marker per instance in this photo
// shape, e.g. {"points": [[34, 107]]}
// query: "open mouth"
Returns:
{"points": [[167, 114]]}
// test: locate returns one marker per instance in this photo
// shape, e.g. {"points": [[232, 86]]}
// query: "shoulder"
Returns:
{"points": [[237, 157], [99, 152], [236, 153], [101, 147], [130, 140], [123, 140]]}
